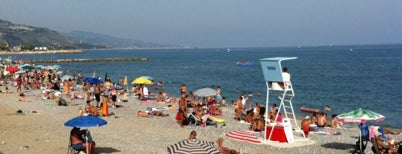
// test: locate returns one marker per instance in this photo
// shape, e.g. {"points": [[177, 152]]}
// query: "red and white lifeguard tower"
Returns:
{"points": [[282, 132]]}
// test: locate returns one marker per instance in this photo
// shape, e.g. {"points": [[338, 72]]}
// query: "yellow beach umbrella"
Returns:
{"points": [[141, 80]]}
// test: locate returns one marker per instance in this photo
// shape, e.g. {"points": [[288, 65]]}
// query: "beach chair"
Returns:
{"points": [[365, 138]]}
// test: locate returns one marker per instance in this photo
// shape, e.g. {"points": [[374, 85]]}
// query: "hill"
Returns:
{"points": [[113, 42], [27, 37]]}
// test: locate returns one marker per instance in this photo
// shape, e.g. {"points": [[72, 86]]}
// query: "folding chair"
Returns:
{"points": [[364, 139]]}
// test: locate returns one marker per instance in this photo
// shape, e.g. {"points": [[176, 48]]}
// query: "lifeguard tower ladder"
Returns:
{"points": [[272, 70]]}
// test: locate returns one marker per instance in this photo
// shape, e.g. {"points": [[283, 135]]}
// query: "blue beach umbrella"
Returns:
{"points": [[85, 122], [40, 66], [92, 80]]}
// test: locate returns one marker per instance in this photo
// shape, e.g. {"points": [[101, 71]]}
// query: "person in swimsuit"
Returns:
{"points": [[78, 142]]}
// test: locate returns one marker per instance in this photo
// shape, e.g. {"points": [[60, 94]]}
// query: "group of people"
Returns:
{"points": [[204, 108]]}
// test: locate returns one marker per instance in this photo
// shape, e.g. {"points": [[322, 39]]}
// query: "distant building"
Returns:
{"points": [[40, 48]]}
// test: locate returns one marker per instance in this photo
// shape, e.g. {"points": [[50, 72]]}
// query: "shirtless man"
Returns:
{"points": [[183, 108], [322, 120], [77, 141], [183, 89]]}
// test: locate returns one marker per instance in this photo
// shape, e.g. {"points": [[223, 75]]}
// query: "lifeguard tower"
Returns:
{"points": [[272, 70]]}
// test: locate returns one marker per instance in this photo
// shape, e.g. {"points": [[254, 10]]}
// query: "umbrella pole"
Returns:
{"points": [[86, 140]]}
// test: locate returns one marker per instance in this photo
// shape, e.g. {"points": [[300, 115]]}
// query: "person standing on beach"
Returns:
{"points": [[306, 126], [97, 93], [183, 89], [183, 109]]}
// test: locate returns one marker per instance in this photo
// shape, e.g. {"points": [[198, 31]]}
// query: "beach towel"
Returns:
{"points": [[147, 102], [244, 135], [218, 120]]}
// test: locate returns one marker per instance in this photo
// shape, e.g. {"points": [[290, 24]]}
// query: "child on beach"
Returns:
{"points": [[72, 97]]}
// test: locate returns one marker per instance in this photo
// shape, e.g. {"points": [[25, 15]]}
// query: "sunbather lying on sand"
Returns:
{"points": [[143, 114], [151, 114], [225, 150], [22, 98]]}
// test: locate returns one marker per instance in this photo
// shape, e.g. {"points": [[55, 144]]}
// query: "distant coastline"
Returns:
{"points": [[38, 52]]}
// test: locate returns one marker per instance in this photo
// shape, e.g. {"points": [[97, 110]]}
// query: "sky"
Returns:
{"points": [[219, 23]]}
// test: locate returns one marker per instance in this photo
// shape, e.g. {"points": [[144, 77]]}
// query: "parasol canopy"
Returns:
{"points": [[141, 80], [92, 80], [12, 69], [85, 122], [205, 92], [360, 116], [194, 146]]}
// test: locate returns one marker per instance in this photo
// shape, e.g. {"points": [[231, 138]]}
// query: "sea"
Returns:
{"points": [[344, 77]]}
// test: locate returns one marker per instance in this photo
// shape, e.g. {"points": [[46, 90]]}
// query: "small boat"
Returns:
{"points": [[244, 63], [310, 110]]}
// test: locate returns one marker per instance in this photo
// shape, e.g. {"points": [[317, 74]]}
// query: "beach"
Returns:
{"points": [[44, 131], [39, 52]]}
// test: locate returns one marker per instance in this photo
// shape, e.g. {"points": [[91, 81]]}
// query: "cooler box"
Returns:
{"points": [[277, 135]]}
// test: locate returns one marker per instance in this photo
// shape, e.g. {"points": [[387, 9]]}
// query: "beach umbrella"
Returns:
{"points": [[85, 122], [205, 92], [56, 66], [12, 69], [40, 66], [92, 80], [27, 67], [66, 77], [20, 72], [148, 77], [194, 146], [125, 81], [245, 136], [141, 80], [360, 116]]}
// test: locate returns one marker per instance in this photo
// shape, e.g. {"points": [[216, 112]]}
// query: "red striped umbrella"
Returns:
{"points": [[245, 135], [195, 146]]}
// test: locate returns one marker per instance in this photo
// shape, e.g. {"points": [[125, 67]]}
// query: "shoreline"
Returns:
{"points": [[40, 52]]}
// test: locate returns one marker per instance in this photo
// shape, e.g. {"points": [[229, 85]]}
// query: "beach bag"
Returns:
{"points": [[179, 115]]}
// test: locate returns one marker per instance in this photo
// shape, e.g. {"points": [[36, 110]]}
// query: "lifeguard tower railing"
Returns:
{"points": [[272, 70]]}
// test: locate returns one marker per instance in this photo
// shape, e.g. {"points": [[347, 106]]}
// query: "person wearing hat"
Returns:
{"points": [[305, 124]]}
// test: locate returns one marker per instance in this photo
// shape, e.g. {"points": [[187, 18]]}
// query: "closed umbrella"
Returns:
{"points": [[194, 146], [205, 92]]}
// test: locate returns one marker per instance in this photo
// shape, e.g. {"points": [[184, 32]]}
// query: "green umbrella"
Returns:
{"points": [[360, 116], [27, 67]]}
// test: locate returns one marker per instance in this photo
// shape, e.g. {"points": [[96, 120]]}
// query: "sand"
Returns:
{"points": [[44, 132]]}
